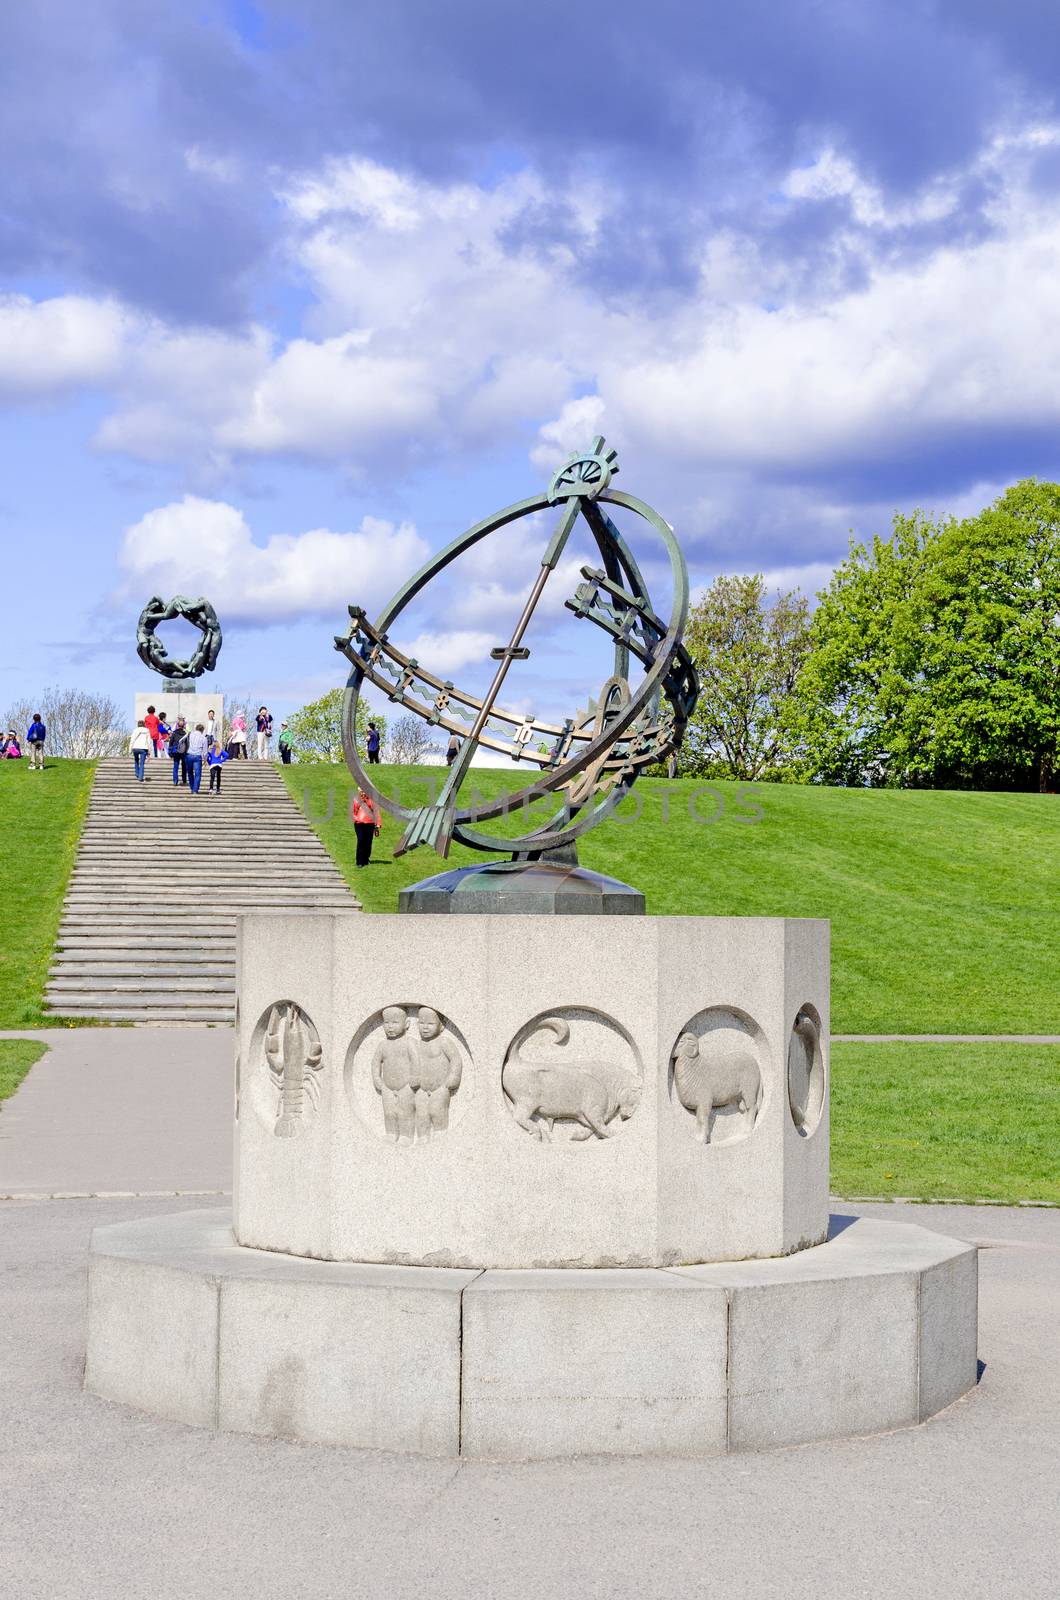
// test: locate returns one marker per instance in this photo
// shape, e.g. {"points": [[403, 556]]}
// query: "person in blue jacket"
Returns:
{"points": [[215, 760], [36, 734]]}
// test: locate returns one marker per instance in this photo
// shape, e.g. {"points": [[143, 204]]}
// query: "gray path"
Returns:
{"points": [[105, 1502], [127, 1110]]}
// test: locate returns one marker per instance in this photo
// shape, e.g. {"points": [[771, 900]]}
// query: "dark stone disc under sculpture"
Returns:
{"points": [[517, 888]]}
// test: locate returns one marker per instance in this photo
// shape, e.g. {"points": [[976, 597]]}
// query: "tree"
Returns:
{"points": [[81, 726], [861, 676], [988, 607], [935, 660], [748, 655], [316, 730], [409, 741]]}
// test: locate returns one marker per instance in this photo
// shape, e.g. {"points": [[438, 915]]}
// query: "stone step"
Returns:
{"points": [[307, 874], [139, 984], [181, 904], [135, 966], [104, 1010], [125, 954]]}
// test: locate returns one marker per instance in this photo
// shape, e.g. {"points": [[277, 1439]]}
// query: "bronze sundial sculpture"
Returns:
{"points": [[592, 759]]}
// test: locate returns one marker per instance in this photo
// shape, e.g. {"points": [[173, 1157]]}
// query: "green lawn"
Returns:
{"points": [[40, 821], [16, 1058], [945, 907], [936, 1121]]}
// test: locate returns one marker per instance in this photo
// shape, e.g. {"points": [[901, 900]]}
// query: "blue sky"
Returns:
{"points": [[290, 294]]}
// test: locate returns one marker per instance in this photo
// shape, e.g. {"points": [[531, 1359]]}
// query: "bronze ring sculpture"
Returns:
{"points": [[593, 758], [152, 652]]}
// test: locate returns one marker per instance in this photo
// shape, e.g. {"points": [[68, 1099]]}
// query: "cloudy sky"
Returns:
{"points": [[292, 292]]}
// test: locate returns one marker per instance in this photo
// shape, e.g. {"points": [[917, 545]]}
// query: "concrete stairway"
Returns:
{"points": [[148, 931]]}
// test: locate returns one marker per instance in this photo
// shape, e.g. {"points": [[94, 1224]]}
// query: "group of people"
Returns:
{"points": [[36, 733], [189, 749]]}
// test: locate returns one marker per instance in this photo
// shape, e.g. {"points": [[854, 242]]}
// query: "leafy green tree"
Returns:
{"points": [[748, 654], [316, 730], [861, 676], [935, 658], [989, 613]]}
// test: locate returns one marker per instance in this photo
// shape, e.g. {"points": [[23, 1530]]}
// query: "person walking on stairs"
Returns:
{"points": [[140, 743], [237, 739], [264, 727], [215, 760], [151, 724], [178, 750], [36, 734], [286, 743], [366, 825], [196, 751]]}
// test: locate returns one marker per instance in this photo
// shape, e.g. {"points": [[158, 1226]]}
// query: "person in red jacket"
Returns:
{"points": [[366, 824], [151, 724]]}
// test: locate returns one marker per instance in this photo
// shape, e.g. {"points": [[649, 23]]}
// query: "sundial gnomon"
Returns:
{"points": [[591, 759]]}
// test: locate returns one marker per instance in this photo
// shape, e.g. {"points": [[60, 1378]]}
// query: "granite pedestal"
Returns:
{"points": [[525, 1186]]}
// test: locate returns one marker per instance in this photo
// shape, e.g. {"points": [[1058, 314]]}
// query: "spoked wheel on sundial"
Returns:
{"points": [[590, 760]]}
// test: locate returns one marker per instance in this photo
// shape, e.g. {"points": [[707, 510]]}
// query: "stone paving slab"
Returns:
{"points": [[132, 1110], [108, 1502]]}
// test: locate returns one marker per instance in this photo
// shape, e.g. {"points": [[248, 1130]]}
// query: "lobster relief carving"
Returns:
{"points": [[293, 1056]]}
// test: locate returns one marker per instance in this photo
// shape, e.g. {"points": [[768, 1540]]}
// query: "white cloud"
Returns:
{"points": [[51, 346], [196, 546], [443, 318], [448, 651]]}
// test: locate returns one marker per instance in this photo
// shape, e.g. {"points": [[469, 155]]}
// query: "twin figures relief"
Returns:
{"points": [[571, 1075]]}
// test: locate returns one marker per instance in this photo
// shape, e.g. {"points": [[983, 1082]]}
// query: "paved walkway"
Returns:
{"points": [[105, 1502], [121, 1110]]}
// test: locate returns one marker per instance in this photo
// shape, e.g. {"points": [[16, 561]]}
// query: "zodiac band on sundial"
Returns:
{"points": [[589, 761]]}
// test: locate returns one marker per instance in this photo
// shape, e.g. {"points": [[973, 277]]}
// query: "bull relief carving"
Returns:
{"points": [[416, 1069], [552, 1077], [293, 1056], [717, 1076]]}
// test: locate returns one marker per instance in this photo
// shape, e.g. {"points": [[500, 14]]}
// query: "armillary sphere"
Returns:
{"points": [[590, 761]]}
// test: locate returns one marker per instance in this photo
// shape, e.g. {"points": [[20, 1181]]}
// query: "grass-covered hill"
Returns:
{"points": [[41, 814], [945, 907]]}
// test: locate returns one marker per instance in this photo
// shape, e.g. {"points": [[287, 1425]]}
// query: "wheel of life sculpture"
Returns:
{"points": [[592, 759], [153, 653]]}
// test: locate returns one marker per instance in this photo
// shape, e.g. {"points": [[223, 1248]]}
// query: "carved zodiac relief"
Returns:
{"points": [[716, 1074], [293, 1057], [416, 1069], [548, 1079], [806, 1071]]}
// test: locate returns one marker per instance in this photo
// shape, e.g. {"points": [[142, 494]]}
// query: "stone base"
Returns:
{"points": [[175, 702], [873, 1330]]}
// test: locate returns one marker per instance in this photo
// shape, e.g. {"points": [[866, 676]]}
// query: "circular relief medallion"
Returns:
{"points": [[806, 1071], [407, 1074], [571, 1075], [288, 1060], [716, 1074]]}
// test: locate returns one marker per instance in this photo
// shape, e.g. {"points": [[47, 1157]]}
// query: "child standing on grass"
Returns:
{"points": [[35, 736], [215, 760]]}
